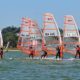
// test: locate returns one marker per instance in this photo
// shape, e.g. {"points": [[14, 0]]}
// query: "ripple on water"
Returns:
{"points": [[19, 68]]}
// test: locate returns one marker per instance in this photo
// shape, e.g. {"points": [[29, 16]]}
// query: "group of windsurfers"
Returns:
{"points": [[32, 52], [60, 49], [59, 52]]}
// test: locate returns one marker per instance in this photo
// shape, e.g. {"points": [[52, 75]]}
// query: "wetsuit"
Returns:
{"points": [[44, 54], [1, 53], [58, 52], [77, 52]]}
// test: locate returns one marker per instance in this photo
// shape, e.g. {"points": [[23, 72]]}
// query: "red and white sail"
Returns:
{"points": [[29, 35], [51, 31], [70, 28], [71, 35], [24, 33]]}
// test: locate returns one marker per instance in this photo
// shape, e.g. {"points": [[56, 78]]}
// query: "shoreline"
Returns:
{"points": [[11, 50]]}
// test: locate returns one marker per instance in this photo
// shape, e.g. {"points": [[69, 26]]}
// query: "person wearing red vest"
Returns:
{"points": [[32, 51]]}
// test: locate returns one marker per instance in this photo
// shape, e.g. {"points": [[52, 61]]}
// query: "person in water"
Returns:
{"points": [[58, 52], [31, 52], [1, 53], [77, 51], [44, 54]]}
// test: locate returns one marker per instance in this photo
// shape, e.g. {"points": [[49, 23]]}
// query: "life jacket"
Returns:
{"points": [[32, 52], [61, 48], [61, 51], [78, 49]]}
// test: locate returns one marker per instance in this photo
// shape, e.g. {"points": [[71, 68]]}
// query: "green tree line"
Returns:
{"points": [[10, 35]]}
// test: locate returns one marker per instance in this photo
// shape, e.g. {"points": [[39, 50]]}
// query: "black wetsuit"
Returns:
{"points": [[58, 52], [1, 54], [77, 53], [44, 54]]}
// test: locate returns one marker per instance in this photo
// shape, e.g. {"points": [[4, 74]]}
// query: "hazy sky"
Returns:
{"points": [[11, 11]]}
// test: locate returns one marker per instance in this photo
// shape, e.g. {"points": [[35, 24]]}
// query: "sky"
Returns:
{"points": [[11, 11]]}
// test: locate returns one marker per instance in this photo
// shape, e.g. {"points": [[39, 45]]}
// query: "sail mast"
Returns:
{"points": [[60, 39]]}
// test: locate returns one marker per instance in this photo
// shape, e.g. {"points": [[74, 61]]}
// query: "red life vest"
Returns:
{"points": [[78, 48]]}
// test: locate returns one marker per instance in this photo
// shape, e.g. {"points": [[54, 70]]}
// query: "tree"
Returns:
{"points": [[10, 34]]}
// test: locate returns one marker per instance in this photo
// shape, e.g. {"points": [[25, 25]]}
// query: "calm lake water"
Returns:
{"points": [[15, 66]]}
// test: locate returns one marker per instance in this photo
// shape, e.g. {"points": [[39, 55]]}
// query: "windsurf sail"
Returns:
{"points": [[51, 33], [30, 36], [71, 36], [23, 33], [1, 39]]}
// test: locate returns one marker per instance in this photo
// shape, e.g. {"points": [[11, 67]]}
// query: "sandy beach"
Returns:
{"points": [[12, 50]]}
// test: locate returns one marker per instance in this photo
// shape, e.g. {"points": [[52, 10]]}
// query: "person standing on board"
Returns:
{"points": [[58, 52], [32, 51], [44, 54], [77, 51], [61, 51], [1, 53]]}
